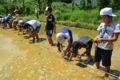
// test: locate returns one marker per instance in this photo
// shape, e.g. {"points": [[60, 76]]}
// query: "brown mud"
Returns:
{"points": [[21, 60]]}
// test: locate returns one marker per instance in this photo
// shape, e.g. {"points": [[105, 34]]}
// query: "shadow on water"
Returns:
{"points": [[112, 73], [80, 64], [40, 40], [25, 37]]}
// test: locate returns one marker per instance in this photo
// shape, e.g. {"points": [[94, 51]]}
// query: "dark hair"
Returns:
{"points": [[108, 16], [50, 9], [26, 25]]}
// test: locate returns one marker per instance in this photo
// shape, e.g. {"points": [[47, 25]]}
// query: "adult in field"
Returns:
{"points": [[37, 11]]}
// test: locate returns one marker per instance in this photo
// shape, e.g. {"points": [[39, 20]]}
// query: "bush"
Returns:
{"points": [[57, 12], [2, 10]]}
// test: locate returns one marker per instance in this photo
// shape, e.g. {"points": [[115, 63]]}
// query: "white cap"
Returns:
{"points": [[48, 9], [20, 21], [9, 15], [107, 11], [60, 38]]}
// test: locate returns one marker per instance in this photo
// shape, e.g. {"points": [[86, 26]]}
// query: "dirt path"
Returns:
{"points": [[20, 60]]}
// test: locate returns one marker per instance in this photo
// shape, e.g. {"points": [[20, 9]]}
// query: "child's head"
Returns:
{"points": [[36, 5], [106, 15], [15, 11], [60, 38], [20, 23], [48, 10], [26, 26], [10, 15]]}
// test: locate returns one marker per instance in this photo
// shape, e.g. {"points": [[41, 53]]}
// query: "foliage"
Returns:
{"points": [[2, 10], [66, 1], [115, 4]]}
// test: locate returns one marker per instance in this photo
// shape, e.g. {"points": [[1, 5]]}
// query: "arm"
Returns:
{"points": [[113, 39], [71, 54], [95, 39], [61, 48], [45, 28], [70, 58], [15, 17], [87, 50], [54, 27], [35, 33], [68, 47]]}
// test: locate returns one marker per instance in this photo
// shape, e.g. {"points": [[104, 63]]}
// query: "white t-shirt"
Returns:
{"points": [[34, 23], [107, 31], [37, 10], [16, 17]]}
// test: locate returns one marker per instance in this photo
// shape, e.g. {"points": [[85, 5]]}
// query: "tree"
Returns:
{"points": [[82, 4], [115, 4], [66, 1], [89, 4], [73, 5], [49, 2], [103, 3]]}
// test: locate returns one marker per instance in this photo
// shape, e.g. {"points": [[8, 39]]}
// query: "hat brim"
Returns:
{"points": [[113, 15]]}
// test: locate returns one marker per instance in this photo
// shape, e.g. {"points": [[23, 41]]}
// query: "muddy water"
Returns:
{"points": [[20, 60]]}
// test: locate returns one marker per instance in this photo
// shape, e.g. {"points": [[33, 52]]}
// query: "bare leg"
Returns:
{"points": [[97, 65], [10, 24], [33, 37], [50, 40], [70, 58], [14, 26], [5, 25], [36, 35], [28, 32], [107, 69], [90, 57]]}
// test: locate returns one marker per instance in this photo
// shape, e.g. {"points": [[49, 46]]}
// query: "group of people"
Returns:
{"points": [[10, 20], [108, 32]]}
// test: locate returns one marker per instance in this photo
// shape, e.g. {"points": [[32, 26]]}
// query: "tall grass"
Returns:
{"points": [[88, 19]]}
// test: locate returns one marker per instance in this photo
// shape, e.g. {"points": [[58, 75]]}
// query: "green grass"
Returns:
{"points": [[87, 19]]}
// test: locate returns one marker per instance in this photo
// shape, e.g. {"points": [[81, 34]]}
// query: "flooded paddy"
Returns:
{"points": [[20, 60]]}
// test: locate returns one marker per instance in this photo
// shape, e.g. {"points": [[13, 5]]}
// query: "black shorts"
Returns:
{"points": [[104, 55], [74, 48]]}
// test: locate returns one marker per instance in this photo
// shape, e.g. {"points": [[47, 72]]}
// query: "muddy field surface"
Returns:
{"points": [[21, 60]]}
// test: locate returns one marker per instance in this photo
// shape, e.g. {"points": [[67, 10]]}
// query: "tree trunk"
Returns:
{"points": [[23, 6], [72, 5]]}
